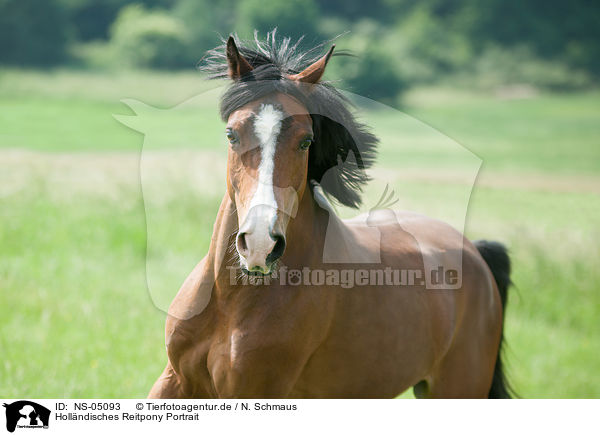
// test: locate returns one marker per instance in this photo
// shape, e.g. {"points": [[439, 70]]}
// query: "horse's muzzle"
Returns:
{"points": [[259, 253]]}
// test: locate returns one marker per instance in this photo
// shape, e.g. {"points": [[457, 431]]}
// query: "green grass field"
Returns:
{"points": [[78, 319]]}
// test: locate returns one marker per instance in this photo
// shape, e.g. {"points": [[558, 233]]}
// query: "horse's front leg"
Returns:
{"points": [[167, 386], [171, 385]]}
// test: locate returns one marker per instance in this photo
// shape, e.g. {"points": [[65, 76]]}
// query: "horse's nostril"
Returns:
{"points": [[241, 243], [278, 249]]}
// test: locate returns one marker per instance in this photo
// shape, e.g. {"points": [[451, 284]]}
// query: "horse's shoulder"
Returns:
{"points": [[425, 228], [439, 239], [193, 296], [411, 233]]}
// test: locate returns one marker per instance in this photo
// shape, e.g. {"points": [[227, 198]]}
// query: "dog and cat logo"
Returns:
{"points": [[26, 414]]}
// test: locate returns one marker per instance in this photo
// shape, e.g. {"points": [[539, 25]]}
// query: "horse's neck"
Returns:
{"points": [[306, 232], [225, 228]]}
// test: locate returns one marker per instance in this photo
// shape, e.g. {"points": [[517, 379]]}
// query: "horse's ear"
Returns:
{"points": [[314, 72], [238, 66]]}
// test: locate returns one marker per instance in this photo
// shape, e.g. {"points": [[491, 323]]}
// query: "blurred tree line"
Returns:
{"points": [[398, 43]]}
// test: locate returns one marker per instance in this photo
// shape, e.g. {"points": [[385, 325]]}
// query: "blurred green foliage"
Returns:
{"points": [[92, 19], [397, 43], [32, 32], [148, 38], [293, 18]]}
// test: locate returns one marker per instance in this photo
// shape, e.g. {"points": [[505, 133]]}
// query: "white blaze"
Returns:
{"points": [[263, 206], [267, 126]]}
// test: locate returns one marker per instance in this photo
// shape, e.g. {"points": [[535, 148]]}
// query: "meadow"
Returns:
{"points": [[80, 315]]}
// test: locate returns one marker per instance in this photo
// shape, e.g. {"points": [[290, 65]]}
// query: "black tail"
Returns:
{"points": [[496, 257]]}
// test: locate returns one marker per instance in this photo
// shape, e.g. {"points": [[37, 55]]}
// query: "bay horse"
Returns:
{"points": [[294, 145]]}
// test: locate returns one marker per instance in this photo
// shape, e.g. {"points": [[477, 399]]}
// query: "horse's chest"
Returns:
{"points": [[244, 364], [230, 350]]}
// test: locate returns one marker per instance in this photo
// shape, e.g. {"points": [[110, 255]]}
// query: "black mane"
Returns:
{"points": [[343, 148]]}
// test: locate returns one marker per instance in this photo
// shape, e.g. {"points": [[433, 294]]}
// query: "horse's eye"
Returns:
{"points": [[305, 144], [231, 136]]}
